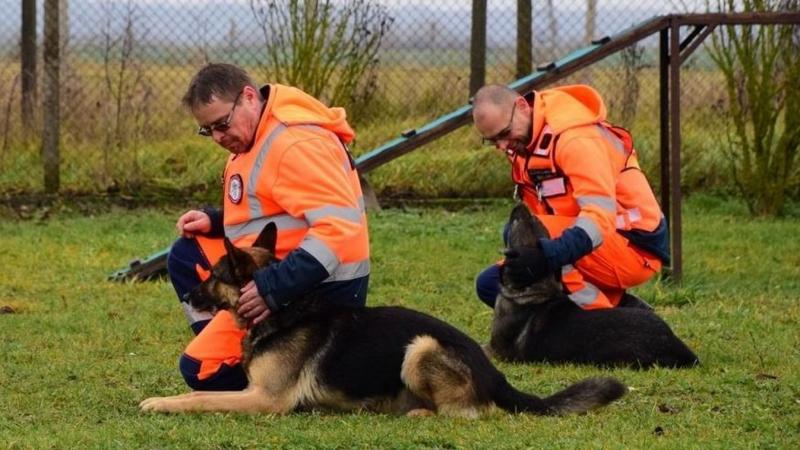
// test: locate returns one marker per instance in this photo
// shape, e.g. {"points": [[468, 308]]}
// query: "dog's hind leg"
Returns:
{"points": [[445, 381], [250, 400]]}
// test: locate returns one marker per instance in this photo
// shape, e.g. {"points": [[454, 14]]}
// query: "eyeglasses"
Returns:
{"points": [[503, 133], [224, 125]]}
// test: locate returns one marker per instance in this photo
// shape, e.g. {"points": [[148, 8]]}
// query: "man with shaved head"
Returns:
{"points": [[580, 176]]}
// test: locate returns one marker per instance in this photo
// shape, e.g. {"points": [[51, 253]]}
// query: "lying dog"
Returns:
{"points": [[312, 354], [540, 323]]}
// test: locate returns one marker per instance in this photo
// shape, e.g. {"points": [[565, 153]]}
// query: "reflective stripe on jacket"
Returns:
{"points": [[299, 175]]}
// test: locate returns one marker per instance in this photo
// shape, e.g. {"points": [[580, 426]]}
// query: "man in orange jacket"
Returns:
{"points": [[580, 176], [288, 164]]}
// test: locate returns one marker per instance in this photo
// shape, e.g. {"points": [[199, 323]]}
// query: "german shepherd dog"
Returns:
{"points": [[315, 355], [539, 323]]}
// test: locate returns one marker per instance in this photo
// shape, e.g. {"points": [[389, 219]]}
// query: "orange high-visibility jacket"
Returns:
{"points": [[300, 175], [578, 165]]}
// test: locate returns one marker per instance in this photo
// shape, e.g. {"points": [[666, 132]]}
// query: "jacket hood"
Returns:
{"points": [[567, 107], [292, 106]]}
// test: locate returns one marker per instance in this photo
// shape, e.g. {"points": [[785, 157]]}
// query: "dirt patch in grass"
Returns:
{"points": [[40, 206]]}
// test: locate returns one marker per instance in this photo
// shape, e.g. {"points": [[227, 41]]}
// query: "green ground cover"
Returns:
{"points": [[79, 353]]}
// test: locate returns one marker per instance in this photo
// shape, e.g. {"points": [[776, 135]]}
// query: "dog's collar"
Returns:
{"points": [[523, 296]]}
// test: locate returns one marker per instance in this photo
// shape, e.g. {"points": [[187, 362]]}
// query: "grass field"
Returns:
{"points": [[79, 353]]}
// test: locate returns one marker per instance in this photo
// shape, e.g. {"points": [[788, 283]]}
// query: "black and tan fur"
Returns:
{"points": [[539, 323], [312, 354]]}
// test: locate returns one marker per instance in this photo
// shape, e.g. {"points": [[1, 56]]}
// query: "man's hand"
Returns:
{"points": [[252, 305], [525, 265], [193, 222]]}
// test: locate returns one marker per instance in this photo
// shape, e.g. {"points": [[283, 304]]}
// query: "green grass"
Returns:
{"points": [[79, 352]]}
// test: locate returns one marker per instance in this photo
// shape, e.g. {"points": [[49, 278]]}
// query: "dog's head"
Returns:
{"points": [[222, 289], [525, 230]]}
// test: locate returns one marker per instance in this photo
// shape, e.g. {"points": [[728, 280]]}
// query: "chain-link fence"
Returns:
{"points": [[124, 65]]}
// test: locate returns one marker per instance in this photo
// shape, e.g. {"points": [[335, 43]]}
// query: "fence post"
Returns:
{"points": [[591, 18], [524, 38], [51, 125], [28, 62], [477, 53], [675, 236]]}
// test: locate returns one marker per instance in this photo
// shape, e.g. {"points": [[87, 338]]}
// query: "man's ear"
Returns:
{"points": [[522, 104], [250, 94], [268, 238]]}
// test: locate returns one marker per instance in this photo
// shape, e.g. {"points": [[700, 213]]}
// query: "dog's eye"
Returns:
{"points": [[218, 274], [224, 272]]}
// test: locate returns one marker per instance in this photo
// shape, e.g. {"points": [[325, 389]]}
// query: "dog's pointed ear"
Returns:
{"points": [[525, 229], [268, 237], [229, 247], [233, 254]]}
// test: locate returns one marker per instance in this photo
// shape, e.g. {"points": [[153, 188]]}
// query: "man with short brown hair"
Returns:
{"points": [[288, 164]]}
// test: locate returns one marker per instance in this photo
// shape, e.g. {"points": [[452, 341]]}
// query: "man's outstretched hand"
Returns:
{"points": [[192, 223]]}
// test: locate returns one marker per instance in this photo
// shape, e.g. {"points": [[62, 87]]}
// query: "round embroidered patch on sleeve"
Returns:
{"points": [[235, 189]]}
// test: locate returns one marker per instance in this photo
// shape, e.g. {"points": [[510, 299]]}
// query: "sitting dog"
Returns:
{"points": [[539, 323], [312, 354]]}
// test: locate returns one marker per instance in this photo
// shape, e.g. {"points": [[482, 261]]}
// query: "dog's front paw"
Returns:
{"points": [[156, 404]]}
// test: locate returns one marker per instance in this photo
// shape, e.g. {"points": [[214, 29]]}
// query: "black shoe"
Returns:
{"points": [[629, 300]]}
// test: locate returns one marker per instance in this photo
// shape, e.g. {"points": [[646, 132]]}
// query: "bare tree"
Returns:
{"points": [[477, 47], [327, 48], [761, 67], [432, 34], [123, 75], [524, 38], [7, 120], [632, 65], [231, 38], [28, 62], [201, 34]]}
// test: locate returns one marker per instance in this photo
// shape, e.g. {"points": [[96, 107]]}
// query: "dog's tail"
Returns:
{"points": [[582, 396]]}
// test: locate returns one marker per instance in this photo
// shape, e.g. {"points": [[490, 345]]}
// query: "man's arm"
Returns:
{"points": [[591, 175], [216, 217], [313, 183]]}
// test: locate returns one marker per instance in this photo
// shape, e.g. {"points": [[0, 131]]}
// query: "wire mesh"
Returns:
{"points": [[124, 65]]}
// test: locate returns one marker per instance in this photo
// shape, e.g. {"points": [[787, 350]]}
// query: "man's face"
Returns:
{"points": [[232, 125], [507, 128]]}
